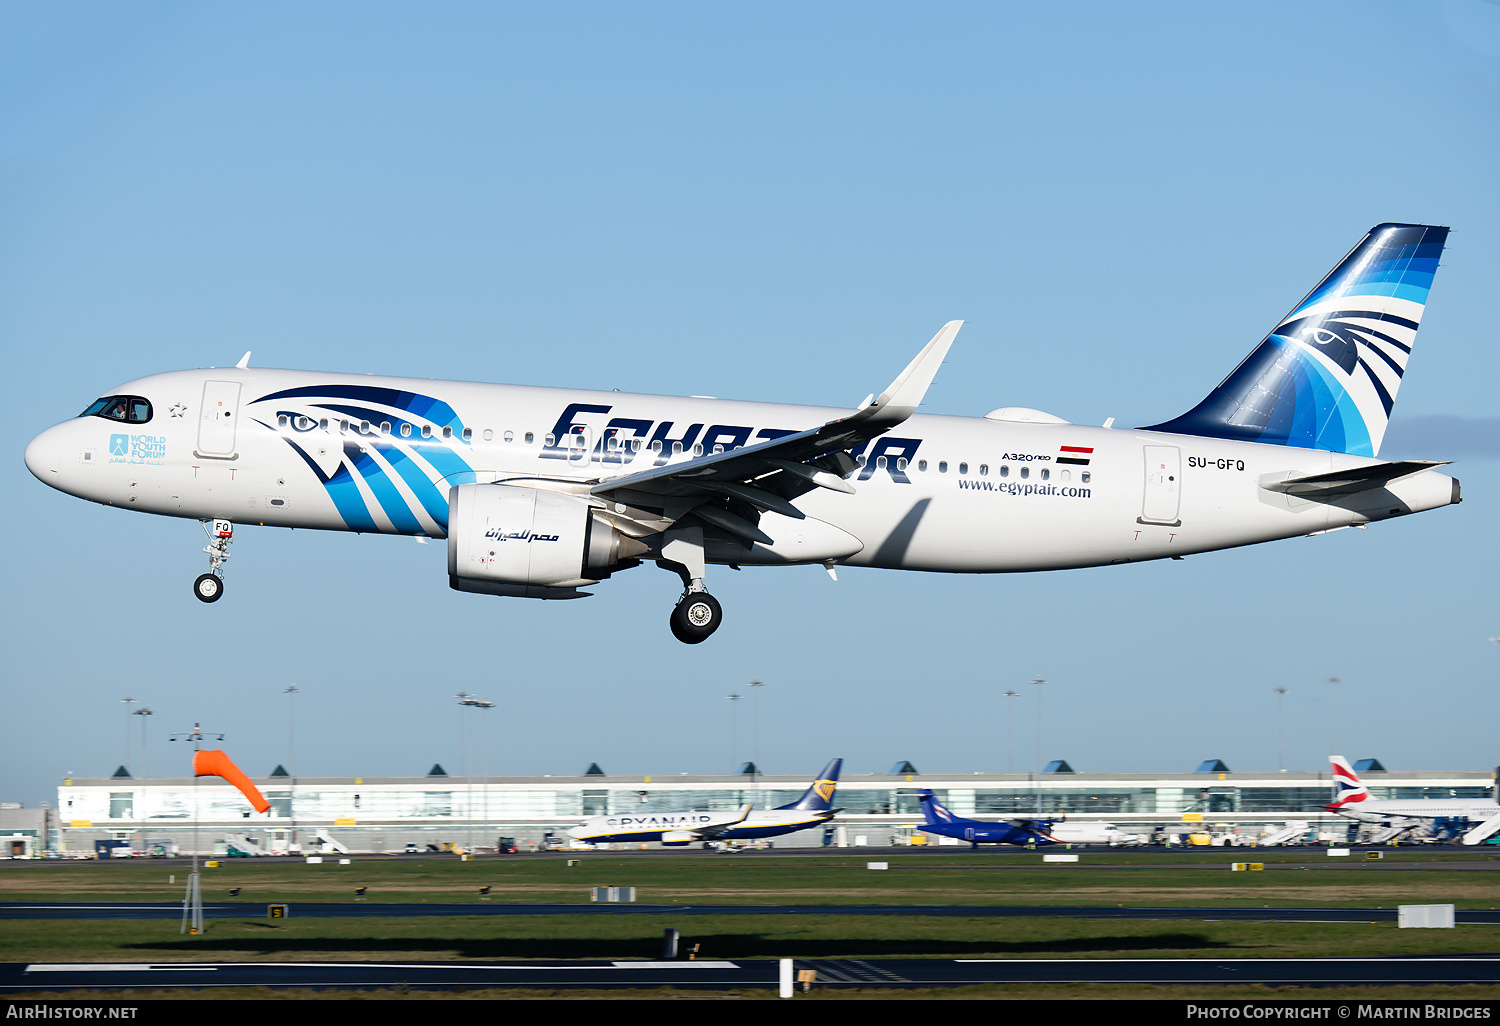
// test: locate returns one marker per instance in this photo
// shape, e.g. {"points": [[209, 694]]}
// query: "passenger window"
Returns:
{"points": [[468, 434], [510, 436], [385, 427], [901, 463], [942, 466], [364, 427], [489, 436], [1004, 470], [343, 427], [879, 462], [697, 448], [405, 430], [984, 470], [323, 424], [859, 460], [963, 468], [447, 431], [1046, 473], [656, 445], [282, 421], [1084, 477], [426, 430], [1064, 476], [550, 440], [1025, 472], [530, 438], [922, 466]]}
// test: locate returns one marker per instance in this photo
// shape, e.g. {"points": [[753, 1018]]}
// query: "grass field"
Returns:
{"points": [[963, 879], [741, 936], [1005, 879]]}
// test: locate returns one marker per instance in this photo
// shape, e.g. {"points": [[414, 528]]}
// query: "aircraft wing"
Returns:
{"points": [[767, 475], [714, 829]]}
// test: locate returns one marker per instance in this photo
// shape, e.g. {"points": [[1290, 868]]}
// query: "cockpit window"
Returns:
{"points": [[131, 409]]}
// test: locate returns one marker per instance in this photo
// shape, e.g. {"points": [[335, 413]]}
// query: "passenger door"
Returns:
{"points": [[217, 419]]}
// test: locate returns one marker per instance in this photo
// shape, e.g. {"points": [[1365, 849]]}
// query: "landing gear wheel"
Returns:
{"points": [[208, 588], [696, 617]]}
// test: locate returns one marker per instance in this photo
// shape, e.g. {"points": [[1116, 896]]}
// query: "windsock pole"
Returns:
{"points": [[192, 901]]}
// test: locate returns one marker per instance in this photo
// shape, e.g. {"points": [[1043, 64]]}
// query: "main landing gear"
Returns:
{"points": [[697, 614], [208, 587]]}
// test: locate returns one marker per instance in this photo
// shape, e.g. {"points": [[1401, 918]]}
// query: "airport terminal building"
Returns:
{"points": [[374, 814]]}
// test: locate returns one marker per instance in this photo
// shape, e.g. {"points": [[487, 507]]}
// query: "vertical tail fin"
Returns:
{"points": [[1347, 789], [819, 797], [1326, 377], [933, 813]]}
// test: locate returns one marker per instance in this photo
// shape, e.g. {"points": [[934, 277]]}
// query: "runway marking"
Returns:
{"points": [[120, 967], [130, 967]]}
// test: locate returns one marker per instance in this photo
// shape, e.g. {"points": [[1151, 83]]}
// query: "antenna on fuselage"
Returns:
{"points": [[244, 360]]}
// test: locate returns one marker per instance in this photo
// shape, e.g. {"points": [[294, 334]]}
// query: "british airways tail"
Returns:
{"points": [[1347, 789], [1326, 377], [819, 797]]}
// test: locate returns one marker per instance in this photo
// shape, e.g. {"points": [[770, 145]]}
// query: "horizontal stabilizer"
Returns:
{"points": [[1348, 482]]}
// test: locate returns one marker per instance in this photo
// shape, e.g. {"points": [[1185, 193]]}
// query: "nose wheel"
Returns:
{"points": [[208, 587], [696, 616]]}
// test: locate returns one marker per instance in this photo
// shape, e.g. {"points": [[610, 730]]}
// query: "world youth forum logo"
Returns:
{"points": [[119, 445]]}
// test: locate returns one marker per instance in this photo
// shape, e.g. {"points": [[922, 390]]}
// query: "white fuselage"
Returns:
{"points": [[940, 493], [1092, 833], [654, 826], [1378, 809]]}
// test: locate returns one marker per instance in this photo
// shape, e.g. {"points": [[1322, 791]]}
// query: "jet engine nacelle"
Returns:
{"points": [[507, 540], [678, 837]]}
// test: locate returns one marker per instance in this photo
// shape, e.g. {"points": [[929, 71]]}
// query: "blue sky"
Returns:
{"points": [[772, 201]]}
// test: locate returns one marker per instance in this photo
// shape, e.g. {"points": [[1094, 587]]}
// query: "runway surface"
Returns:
{"points": [[339, 909], [757, 973]]}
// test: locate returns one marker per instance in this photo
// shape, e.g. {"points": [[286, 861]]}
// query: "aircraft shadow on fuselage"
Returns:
{"points": [[893, 549]]}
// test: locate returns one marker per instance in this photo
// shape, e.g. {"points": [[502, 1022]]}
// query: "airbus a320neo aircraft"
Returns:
{"points": [[543, 491]]}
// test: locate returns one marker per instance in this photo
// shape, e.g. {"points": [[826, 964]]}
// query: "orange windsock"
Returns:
{"points": [[217, 764]]}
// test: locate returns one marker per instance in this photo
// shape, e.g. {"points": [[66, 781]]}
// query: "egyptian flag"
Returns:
{"points": [[1076, 454]]}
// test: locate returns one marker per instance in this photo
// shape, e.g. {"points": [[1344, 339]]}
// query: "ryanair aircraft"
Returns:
{"points": [[679, 828], [541, 492]]}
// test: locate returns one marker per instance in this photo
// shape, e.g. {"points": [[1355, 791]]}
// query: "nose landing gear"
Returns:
{"points": [[208, 587]]}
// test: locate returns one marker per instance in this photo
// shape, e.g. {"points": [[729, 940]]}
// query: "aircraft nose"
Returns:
{"points": [[42, 456]]}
